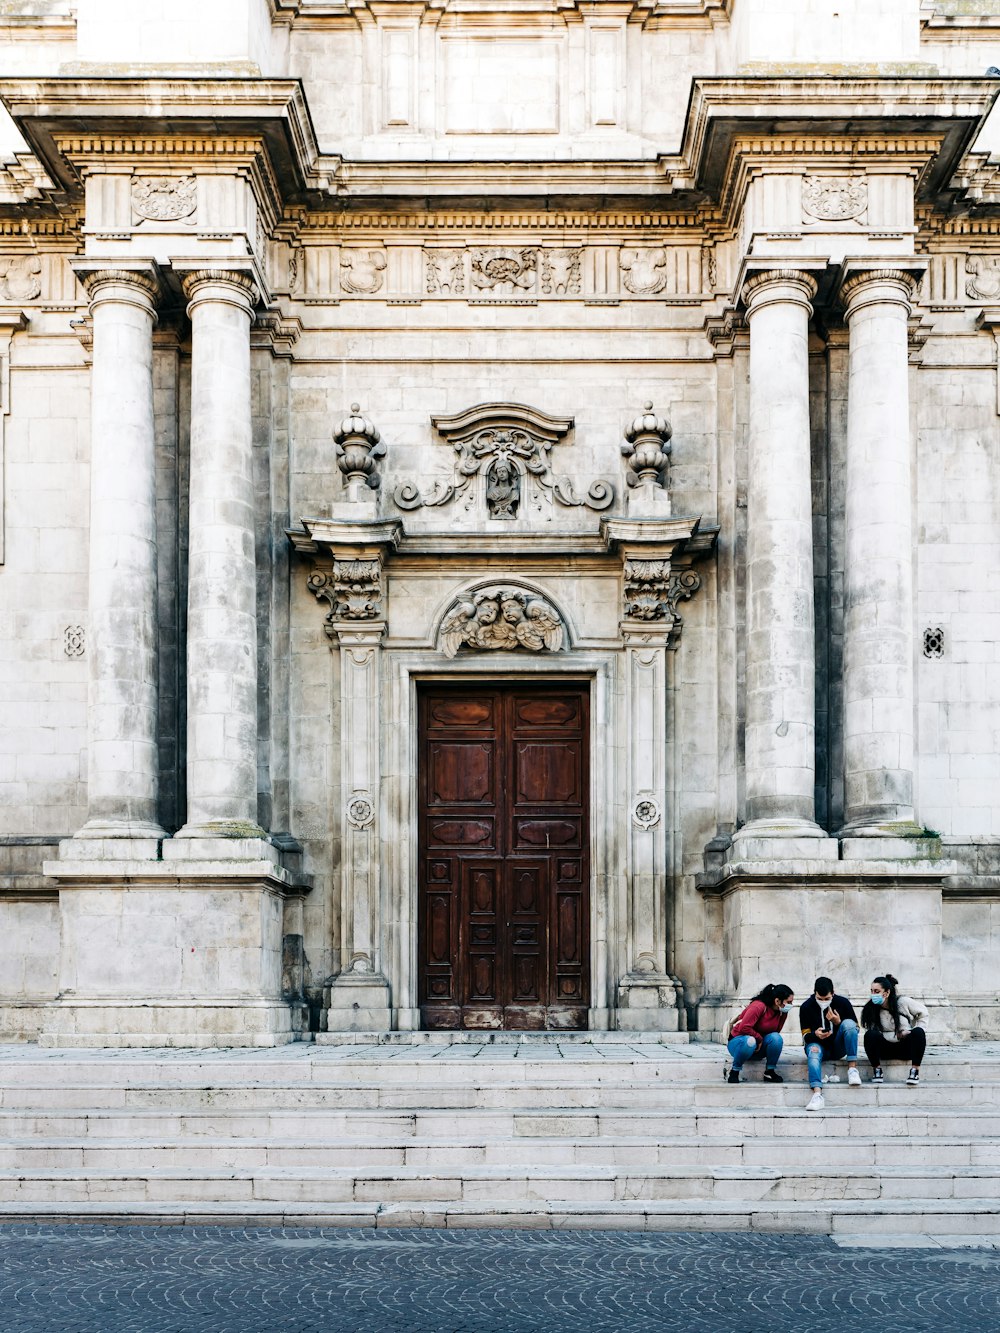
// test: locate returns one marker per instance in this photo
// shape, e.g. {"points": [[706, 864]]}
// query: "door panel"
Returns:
{"points": [[504, 895]]}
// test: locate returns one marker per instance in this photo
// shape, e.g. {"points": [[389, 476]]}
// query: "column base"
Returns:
{"points": [[249, 849], [782, 840], [649, 1002], [359, 1002], [106, 829], [234, 829]]}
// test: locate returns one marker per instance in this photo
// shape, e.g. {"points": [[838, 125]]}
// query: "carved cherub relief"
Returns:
{"points": [[502, 618]]}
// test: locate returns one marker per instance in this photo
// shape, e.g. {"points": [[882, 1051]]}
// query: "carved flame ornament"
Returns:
{"points": [[516, 436], [502, 618]]}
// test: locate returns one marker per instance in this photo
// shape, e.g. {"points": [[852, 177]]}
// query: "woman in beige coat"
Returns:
{"points": [[894, 1028]]}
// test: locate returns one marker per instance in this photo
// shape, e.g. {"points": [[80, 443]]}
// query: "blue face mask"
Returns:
{"points": [[878, 999], [786, 1008]]}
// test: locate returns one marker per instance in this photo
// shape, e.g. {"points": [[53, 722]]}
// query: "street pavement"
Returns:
{"points": [[104, 1279]]}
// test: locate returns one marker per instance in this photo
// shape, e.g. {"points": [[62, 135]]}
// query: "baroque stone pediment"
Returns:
{"points": [[508, 445]]}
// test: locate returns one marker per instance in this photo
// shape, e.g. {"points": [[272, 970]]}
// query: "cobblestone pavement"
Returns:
{"points": [[97, 1279]]}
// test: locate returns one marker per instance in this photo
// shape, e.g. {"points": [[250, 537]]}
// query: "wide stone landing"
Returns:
{"points": [[620, 1131]]}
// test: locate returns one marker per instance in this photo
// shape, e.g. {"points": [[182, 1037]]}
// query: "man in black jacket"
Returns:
{"points": [[829, 1032]]}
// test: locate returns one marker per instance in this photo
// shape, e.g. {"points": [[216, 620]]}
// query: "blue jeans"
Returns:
{"points": [[745, 1048], [842, 1045]]}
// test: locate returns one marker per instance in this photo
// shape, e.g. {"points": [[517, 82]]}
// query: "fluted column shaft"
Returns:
{"points": [[122, 759], [222, 585], [878, 585], [780, 651]]}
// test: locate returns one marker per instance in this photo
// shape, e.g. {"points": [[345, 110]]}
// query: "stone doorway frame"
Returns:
{"points": [[406, 671]]}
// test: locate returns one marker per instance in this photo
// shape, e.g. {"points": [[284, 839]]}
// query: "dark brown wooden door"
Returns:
{"points": [[504, 934]]}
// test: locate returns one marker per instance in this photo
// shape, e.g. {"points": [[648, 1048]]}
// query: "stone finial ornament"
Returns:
{"points": [[647, 451], [359, 446]]}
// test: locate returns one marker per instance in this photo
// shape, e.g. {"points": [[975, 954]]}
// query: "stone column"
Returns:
{"points": [[878, 583], [780, 649], [222, 594], [122, 648]]}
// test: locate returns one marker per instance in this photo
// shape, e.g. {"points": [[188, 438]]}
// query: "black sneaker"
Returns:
{"points": [[734, 1076], [913, 1077], [877, 1074], [772, 1076]]}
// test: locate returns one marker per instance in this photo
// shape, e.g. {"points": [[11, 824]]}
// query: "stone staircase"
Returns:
{"points": [[583, 1130]]}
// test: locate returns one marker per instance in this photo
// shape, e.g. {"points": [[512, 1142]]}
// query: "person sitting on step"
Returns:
{"points": [[894, 1029], [756, 1033], [829, 1032]]}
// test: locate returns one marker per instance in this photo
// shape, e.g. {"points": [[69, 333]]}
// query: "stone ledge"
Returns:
{"points": [[805, 874]]}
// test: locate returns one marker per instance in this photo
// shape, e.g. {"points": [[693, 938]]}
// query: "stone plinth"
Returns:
{"points": [[170, 953]]}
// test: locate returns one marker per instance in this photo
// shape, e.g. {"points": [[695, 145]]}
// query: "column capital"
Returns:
{"points": [[889, 281], [124, 281], [784, 285], [234, 283]]}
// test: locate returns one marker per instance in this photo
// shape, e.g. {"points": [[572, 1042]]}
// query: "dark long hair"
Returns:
{"points": [[770, 993], [870, 1013]]}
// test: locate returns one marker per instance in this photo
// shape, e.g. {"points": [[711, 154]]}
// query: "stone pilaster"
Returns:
{"points": [[780, 665], [122, 762], [878, 583], [222, 596]]}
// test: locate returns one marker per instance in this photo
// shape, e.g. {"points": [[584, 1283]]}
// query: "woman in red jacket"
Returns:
{"points": [[756, 1033]]}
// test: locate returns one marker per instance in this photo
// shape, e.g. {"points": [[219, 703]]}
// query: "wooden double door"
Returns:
{"points": [[504, 894]]}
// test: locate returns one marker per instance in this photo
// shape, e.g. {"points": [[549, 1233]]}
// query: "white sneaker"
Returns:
{"points": [[817, 1103], [853, 1078], [831, 1078]]}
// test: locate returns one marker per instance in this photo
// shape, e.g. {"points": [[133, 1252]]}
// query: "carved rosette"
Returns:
{"points": [[353, 589], [502, 618], [653, 590]]}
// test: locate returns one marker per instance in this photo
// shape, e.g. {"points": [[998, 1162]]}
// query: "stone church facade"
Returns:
{"points": [[500, 513]]}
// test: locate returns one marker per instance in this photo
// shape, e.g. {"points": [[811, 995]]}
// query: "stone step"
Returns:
{"points": [[434, 1155], [316, 1125], [343, 1094], [857, 1218], [478, 1184]]}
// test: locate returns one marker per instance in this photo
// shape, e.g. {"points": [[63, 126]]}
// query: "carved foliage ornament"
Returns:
{"points": [[983, 283], [164, 198], [502, 618], [353, 588], [834, 198], [20, 277], [510, 445], [504, 272], [653, 590]]}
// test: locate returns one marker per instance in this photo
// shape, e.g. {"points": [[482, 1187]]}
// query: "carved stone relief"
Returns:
{"points": [[653, 590], [983, 283], [353, 589], [164, 198], [361, 271], [20, 278], [834, 198], [502, 618], [644, 271], [504, 272], [445, 270], [517, 437], [560, 272]]}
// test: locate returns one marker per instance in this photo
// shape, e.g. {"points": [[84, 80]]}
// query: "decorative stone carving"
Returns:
{"points": [[502, 618], [834, 198], [513, 434], [560, 272], [644, 272], [647, 450], [164, 198], [74, 641], [20, 278], [361, 271], [360, 810], [445, 272], [646, 812], [353, 589], [653, 590], [503, 489], [983, 283], [359, 447], [504, 272]]}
